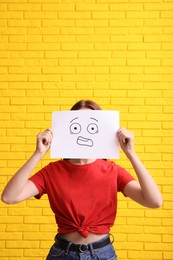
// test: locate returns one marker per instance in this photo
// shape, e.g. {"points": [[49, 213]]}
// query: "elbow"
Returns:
{"points": [[6, 200], [157, 204]]}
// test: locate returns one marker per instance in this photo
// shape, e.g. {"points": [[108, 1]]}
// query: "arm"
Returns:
{"points": [[19, 188], [146, 191]]}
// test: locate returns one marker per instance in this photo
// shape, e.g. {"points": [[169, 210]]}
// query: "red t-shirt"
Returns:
{"points": [[83, 197]]}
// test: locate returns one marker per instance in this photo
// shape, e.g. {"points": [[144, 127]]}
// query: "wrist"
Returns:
{"points": [[38, 155], [132, 155]]}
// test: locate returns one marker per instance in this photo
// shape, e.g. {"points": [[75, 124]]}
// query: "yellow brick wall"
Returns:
{"points": [[119, 53]]}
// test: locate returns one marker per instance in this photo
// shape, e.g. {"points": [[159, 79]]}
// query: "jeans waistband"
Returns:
{"points": [[61, 242]]}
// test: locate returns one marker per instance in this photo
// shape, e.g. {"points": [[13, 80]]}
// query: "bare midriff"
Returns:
{"points": [[76, 238]]}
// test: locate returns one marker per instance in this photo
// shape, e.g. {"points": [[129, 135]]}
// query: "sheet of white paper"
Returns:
{"points": [[85, 134]]}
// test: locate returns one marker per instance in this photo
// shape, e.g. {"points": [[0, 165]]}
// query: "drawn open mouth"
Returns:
{"points": [[84, 141]]}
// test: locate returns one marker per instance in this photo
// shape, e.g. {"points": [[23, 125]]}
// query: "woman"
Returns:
{"points": [[83, 194]]}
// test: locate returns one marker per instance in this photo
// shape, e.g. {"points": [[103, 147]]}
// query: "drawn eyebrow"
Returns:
{"points": [[73, 119], [94, 119]]}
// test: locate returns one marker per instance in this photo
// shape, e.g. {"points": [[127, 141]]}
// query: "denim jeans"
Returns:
{"points": [[103, 253]]}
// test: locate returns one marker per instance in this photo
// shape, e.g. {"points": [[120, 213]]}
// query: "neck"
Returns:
{"points": [[81, 161]]}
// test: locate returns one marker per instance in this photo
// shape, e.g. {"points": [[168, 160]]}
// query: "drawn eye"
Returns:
{"points": [[75, 128], [92, 128]]}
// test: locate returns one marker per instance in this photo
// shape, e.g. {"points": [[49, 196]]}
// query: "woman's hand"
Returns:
{"points": [[126, 140], [44, 141]]}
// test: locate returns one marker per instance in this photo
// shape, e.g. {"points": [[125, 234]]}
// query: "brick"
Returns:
{"points": [[77, 31], [61, 54], [23, 244], [58, 23], [11, 236], [144, 46], [75, 15], [158, 7], [143, 62], [77, 46], [168, 109], [144, 221], [144, 78], [28, 101], [25, 70], [153, 132], [116, 78], [13, 77], [126, 7], [17, 38], [59, 38], [107, 93], [38, 235], [28, 54], [95, 54], [167, 255], [126, 38], [153, 71], [108, 15], [159, 55], [132, 101], [58, 7], [12, 46], [158, 38], [143, 15], [158, 22], [158, 246], [4, 54], [24, 7], [24, 23], [43, 46], [11, 15], [35, 252], [11, 253], [145, 31], [9, 31], [43, 93], [74, 93], [91, 23], [44, 31], [126, 23], [92, 7], [24, 212], [91, 85], [167, 30], [75, 62], [145, 255], [10, 219], [22, 228], [144, 237], [11, 62], [110, 46], [110, 31], [78, 77], [45, 77], [92, 70], [126, 70]]}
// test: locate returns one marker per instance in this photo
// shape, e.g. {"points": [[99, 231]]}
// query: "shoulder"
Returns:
{"points": [[108, 165]]}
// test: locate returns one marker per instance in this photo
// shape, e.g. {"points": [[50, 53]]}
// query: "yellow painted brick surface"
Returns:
{"points": [[118, 53]]}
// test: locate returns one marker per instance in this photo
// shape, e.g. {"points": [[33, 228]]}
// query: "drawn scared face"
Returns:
{"points": [[76, 128]]}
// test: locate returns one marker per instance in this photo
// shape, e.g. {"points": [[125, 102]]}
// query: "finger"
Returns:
{"points": [[122, 136], [46, 137]]}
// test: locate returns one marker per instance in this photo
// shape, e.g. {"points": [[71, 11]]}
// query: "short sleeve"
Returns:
{"points": [[124, 177], [39, 179]]}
